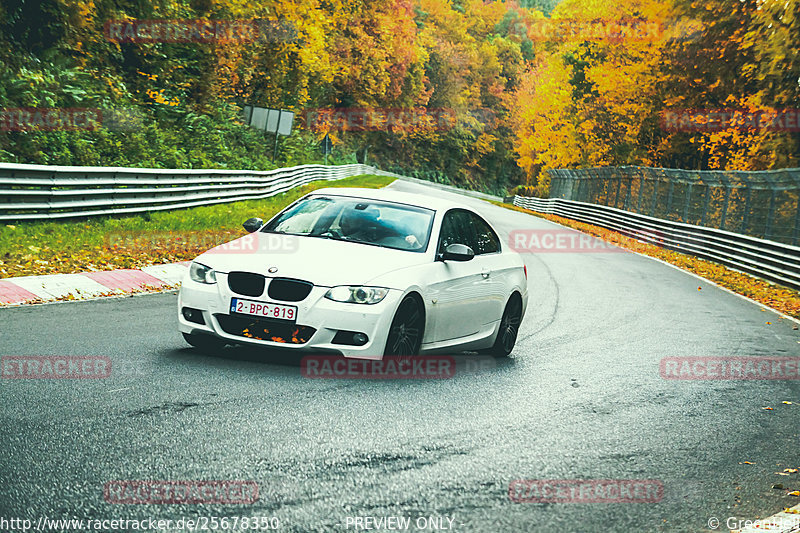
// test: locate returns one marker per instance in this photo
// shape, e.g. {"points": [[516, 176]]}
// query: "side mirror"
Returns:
{"points": [[252, 224], [457, 252]]}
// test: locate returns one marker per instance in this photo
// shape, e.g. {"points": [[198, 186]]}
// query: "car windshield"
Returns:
{"points": [[386, 224]]}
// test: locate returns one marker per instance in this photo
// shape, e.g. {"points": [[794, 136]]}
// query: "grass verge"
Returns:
{"points": [[109, 243], [782, 299]]}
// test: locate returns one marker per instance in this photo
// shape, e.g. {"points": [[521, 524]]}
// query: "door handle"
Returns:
{"points": [[485, 273]]}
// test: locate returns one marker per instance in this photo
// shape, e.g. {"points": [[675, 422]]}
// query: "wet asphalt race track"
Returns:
{"points": [[582, 398]]}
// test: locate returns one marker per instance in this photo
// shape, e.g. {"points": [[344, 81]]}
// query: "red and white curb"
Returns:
{"points": [[86, 285]]}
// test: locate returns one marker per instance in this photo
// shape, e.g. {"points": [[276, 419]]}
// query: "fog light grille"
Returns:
{"points": [[193, 315], [350, 338]]}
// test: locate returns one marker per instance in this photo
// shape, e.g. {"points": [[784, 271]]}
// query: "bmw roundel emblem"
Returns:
{"points": [[272, 270]]}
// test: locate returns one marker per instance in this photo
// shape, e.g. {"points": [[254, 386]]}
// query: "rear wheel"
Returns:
{"points": [[509, 328], [205, 343], [405, 333]]}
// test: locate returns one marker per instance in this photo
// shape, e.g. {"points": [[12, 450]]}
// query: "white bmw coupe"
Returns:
{"points": [[361, 273]]}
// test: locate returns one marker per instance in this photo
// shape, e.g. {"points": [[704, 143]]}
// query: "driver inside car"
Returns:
{"points": [[364, 223], [360, 224]]}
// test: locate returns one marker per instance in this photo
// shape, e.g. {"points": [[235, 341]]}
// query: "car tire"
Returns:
{"points": [[408, 325], [509, 328], [205, 343]]}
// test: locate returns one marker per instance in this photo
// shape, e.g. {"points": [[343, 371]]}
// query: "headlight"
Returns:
{"points": [[357, 295], [202, 274]]}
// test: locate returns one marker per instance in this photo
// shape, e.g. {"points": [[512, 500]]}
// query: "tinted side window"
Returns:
{"points": [[486, 241], [458, 227], [450, 232]]}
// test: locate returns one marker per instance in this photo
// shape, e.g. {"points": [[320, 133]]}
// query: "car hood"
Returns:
{"points": [[324, 262]]}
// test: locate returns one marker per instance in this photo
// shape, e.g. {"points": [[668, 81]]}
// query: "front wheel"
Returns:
{"points": [[509, 328], [405, 333]]}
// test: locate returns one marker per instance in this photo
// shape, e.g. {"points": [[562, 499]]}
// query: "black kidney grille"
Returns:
{"points": [[289, 290], [246, 283]]}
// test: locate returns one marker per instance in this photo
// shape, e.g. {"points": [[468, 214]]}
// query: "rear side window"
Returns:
{"points": [[486, 241]]}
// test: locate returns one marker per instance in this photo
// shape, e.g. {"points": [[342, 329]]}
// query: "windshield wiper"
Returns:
{"points": [[325, 236], [369, 243], [344, 238]]}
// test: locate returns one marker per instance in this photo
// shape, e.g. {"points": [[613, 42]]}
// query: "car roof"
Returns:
{"points": [[391, 195]]}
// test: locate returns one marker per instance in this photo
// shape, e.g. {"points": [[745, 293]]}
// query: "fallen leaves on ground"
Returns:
{"points": [[134, 251]]}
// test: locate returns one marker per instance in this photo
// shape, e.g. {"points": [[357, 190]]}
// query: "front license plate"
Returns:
{"points": [[264, 309]]}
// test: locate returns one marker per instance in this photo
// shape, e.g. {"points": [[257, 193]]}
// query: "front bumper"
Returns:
{"points": [[318, 320]]}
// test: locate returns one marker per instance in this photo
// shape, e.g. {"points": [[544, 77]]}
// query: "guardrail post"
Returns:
{"points": [[605, 185], [669, 197], [796, 232], [725, 204], [706, 195], [746, 215], [770, 215], [641, 192], [628, 194], [686, 199], [589, 190], [656, 183], [50, 197], [595, 186]]}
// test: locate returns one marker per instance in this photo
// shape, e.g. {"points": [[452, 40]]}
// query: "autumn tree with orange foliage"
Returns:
{"points": [[590, 100], [527, 85]]}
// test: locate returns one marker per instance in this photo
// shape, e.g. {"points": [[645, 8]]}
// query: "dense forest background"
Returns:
{"points": [[531, 85]]}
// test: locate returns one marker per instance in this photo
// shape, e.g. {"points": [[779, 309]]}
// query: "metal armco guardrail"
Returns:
{"points": [[766, 259], [35, 192]]}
